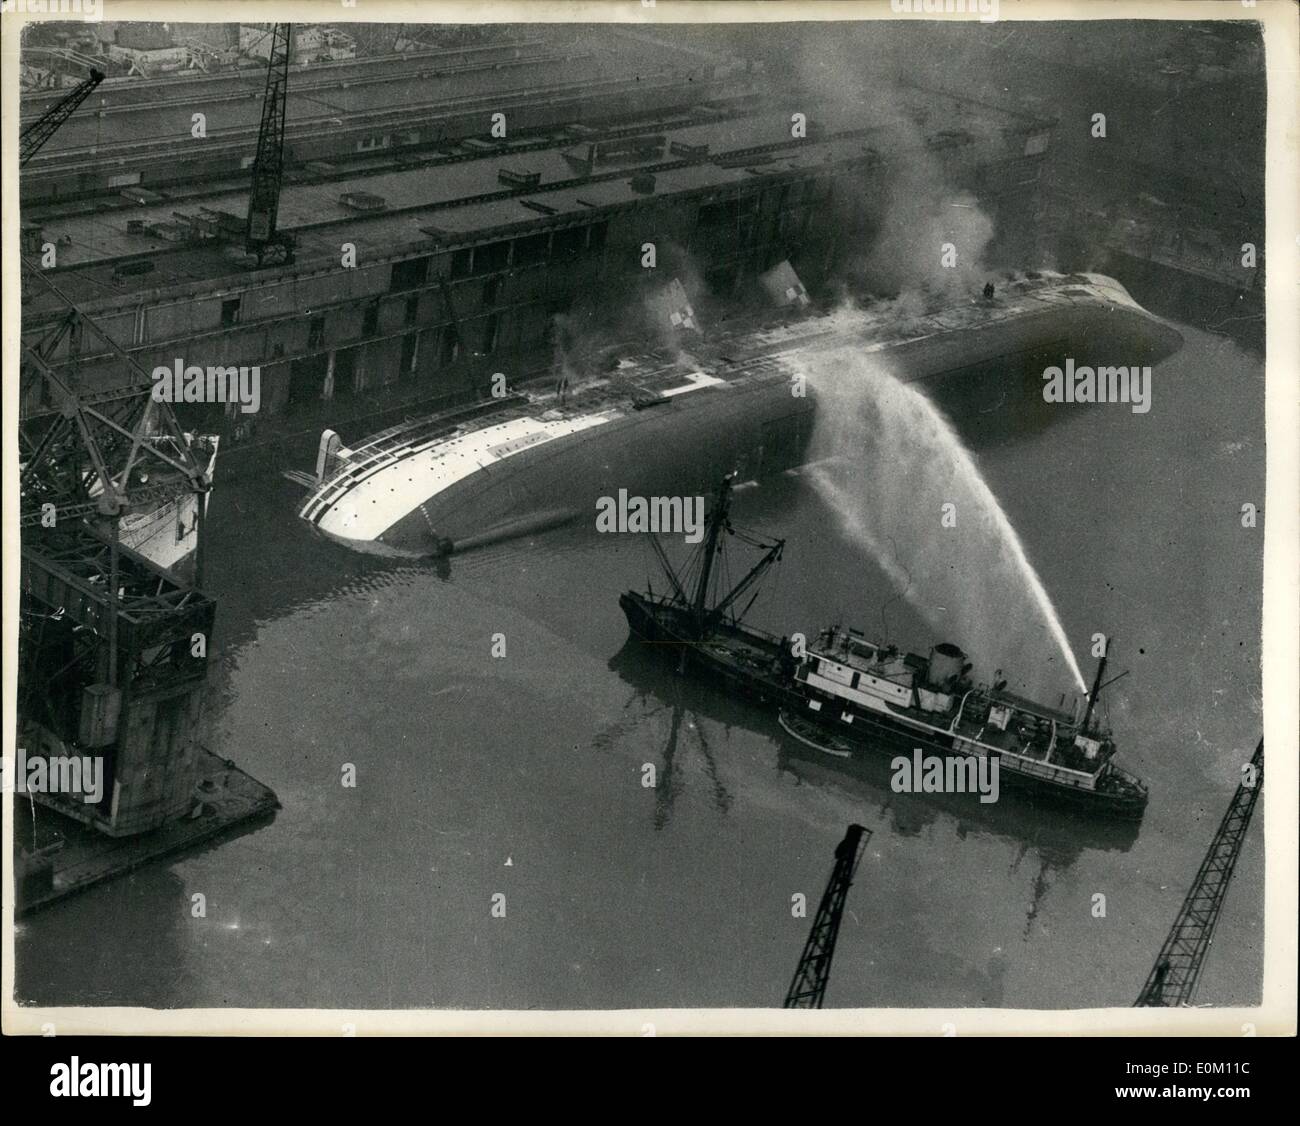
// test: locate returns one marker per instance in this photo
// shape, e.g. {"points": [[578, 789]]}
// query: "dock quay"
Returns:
{"points": [[114, 682], [58, 857]]}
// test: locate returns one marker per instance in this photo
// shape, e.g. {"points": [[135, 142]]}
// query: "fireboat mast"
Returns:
{"points": [[717, 521], [1096, 686]]}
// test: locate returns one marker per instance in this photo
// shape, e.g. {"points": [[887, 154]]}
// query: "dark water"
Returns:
{"points": [[522, 775]]}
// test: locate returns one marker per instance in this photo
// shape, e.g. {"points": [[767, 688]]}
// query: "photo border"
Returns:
{"points": [[1276, 1015]]}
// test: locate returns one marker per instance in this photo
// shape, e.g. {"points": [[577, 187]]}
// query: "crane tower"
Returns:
{"points": [[1177, 970], [808, 989]]}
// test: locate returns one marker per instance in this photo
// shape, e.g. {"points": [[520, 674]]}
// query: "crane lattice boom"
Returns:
{"points": [[808, 989], [268, 166], [88, 452], [1177, 970], [45, 126]]}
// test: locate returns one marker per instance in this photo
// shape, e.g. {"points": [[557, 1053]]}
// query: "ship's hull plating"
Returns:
{"points": [[677, 448], [668, 630], [168, 533], [827, 733], [752, 422]]}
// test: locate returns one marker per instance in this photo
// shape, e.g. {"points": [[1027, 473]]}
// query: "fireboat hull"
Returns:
{"points": [[747, 662]]}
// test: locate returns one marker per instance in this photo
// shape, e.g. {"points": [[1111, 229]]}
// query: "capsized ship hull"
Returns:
{"points": [[447, 482]]}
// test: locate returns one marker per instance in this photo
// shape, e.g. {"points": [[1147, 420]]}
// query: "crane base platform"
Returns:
{"points": [[56, 857]]}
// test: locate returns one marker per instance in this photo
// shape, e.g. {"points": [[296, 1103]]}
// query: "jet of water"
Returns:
{"points": [[889, 463]]}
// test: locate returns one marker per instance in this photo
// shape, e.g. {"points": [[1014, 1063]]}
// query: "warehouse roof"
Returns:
{"points": [[86, 239], [450, 202], [122, 114]]}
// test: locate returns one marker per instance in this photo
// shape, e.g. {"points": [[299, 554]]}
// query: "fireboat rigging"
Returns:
{"points": [[845, 694]]}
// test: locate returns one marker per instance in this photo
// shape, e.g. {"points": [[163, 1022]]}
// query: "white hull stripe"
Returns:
{"points": [[373, 505]]}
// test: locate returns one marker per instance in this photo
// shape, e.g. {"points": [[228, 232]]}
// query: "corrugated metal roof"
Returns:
{"points": [[472, 183], [455, 201]]}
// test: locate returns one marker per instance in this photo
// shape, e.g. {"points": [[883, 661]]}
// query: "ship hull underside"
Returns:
{"points": [[752, 424]]}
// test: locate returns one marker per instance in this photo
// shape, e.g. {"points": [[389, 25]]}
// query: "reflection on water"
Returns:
{"points": [[1060, 835]]}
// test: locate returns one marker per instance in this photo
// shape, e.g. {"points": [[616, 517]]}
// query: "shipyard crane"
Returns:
{"points": [[44, 127], [260, 234], [808, 989], [92, 453], [89, 455], [86, 457], [1177, 970]]}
